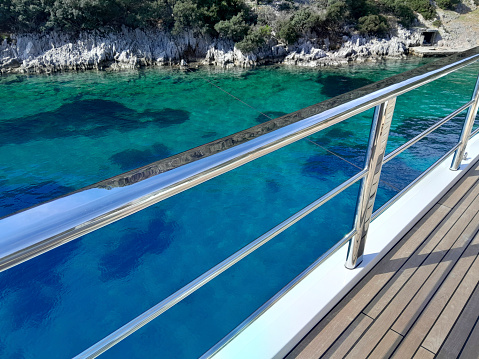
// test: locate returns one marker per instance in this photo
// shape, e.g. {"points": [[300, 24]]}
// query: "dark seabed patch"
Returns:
{"points": [[395, 175], [398, 174], [324, 164], [334, 85], [29, 195], [338, 133], [268, 115], [36, 285], [153, 238], [272, 186], [91, 118], [131, 159], [209, 134], [166, 117], [12, 80], [412, 126]]}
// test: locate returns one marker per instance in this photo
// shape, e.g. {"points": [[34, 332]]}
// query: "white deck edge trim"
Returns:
{"points": [[281, 327]]}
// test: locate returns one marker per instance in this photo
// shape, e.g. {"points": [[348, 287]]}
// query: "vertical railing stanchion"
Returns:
{"points": [[466, 130], [378, 139]]}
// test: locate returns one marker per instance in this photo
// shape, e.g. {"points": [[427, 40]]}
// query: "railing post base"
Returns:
{"points": [[350, 265]]}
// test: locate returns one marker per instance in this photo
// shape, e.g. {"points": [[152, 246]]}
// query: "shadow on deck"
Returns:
{"points": [[421, 300]]}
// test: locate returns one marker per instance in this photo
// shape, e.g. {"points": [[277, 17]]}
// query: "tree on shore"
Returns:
{"points": [[248, 24]]}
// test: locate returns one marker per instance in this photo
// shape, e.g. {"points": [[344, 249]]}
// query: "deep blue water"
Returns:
{"points": [[62, 132]]}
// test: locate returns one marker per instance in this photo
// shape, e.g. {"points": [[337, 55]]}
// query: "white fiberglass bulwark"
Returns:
{"points": [[274, 333]]}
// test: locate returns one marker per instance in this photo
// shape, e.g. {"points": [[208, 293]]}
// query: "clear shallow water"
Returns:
{"points": [[62, 132]]}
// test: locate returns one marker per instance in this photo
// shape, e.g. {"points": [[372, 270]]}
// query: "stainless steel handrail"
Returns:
{"points": [[374, 161], [44, 227], [206, 277]]}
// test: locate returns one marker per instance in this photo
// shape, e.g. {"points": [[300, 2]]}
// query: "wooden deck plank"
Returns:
{"points": [[417, 333], [462, 328], [470, 349], [387, 345], [432, 284], [413, 285], [342, 345], [340, 329], [423, 354], [378, 304], [443, 325], [452, 197], [318, 341]]}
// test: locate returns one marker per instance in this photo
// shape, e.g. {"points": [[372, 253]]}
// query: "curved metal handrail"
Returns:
{"points": [[36, 230]]}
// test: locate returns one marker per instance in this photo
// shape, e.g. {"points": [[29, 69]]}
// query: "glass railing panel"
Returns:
{"points": [[342, 147], [197, 323]]}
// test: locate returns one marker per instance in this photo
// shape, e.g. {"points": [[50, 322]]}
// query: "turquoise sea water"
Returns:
{"points": [[62, 132]]}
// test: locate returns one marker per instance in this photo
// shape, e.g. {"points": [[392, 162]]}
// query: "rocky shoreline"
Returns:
{"points": [[56, 51]]}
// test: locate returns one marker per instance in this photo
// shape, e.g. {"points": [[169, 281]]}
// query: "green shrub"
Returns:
{"points": [[22, 15], [423, 7], [256, 38], [361, 8], [235, 28], [187, 16], [404, 14], [301, 23], [373, 25], [447, 4], [288, 32], [400, 10], [74, 15], [437, 23], [336, 11]]}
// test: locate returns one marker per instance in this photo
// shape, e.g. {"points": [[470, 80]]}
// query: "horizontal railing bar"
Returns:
{"points": [[248, 321], [412, 184], [423, 134], [36, 230], [143, 319], [475, 132]]}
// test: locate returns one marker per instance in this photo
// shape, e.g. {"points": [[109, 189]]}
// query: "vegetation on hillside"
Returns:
{"points": [[250, 25]]}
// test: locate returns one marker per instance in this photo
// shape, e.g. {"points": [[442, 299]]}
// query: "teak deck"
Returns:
{"points": [[421, 300]]}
